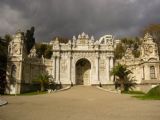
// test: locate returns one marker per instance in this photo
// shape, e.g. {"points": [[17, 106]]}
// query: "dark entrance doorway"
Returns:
{"points": [[83, 69]]}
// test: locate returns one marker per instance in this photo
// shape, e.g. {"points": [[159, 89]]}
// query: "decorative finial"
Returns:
{"points": [[83, 34], [79, 36], [148, 36], [74, 38], [87, 37], [92, 38]]}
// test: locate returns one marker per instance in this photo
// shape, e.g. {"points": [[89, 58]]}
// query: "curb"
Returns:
{"points": [[107, 90], [3, 102], [63, 89]]}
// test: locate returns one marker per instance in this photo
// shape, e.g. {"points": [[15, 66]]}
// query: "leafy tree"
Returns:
{"points": [[40, 49], [44, 49], [122, 77], [154, 30], [61, 39], [3, 61], [119, 51], [48, 52], [133, 43], [29, 39], [42, 79]]}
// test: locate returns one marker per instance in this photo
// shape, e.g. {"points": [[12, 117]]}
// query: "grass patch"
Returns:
{"points": [[153, 94], [27, 93], [33, 93], [146, 97], [154, 91]]}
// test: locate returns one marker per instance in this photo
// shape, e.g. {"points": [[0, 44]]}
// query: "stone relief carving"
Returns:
{"points": [[16, 49], [149, 49], [33, 52], [128, 54], [63, 65], [102, 65]]}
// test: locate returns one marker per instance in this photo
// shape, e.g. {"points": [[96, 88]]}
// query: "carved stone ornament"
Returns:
{"points": [[16, 49], [128, 54], [33, 52]]}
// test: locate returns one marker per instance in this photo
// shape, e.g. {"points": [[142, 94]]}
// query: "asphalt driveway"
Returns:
{"points": [[79, 103]]}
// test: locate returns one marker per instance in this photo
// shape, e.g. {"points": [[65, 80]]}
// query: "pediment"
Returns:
{"points": [[152, 59]]}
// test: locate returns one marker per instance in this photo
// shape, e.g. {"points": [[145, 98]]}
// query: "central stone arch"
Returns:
{"points": [[83, 72]]}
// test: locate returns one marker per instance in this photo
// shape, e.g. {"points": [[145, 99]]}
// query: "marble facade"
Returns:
{"points": [[81, 61], [145, 68]]}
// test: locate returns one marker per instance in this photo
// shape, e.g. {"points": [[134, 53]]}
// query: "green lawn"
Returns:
{"points": [[33, 93], [153, 94], [147, 97], [143, 96], [27, 93]]}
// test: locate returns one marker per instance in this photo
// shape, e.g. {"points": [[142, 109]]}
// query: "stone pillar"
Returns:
{"points": [[20, 72], [111, 66], [58, 70], [54, 67], [19, 80], [70, 69], [97, 69], [107, 69], [73, 71]]}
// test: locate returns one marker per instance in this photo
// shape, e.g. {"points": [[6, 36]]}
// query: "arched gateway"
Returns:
{"points": [[81, 61], [83, 72]]}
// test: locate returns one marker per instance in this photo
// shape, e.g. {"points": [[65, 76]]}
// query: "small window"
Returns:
{"points": [[152, 72]]}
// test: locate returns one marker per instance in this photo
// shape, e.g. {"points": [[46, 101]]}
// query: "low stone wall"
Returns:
{"points": [[140, 87], [145, 87]]}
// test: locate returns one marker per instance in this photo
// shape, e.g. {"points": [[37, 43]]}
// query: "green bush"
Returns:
{"points": [[154, 91]]}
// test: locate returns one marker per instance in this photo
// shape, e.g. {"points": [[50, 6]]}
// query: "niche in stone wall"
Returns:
{"points": [[13, 74]]}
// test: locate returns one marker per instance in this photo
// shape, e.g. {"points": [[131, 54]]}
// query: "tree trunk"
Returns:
{"points": [[122, 86], [42, 87]]}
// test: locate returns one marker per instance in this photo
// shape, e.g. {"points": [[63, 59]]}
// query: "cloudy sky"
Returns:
{"points": [[70, 17]]}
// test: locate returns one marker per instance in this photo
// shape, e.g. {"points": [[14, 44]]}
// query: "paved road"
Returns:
{"points": [[79, 103]]}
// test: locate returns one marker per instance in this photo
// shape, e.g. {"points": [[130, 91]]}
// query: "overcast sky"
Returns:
{"points": [[71, 17]]}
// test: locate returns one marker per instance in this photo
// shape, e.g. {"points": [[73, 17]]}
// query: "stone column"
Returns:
{"points": [[20, 72], [19, 80], [111, 66], [73, 71], [70, 69], [97, 69], [107, 68], [58, 70], [54, 67]]}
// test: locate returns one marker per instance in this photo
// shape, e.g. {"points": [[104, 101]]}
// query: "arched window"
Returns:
{"points": [[152, 72], [13, 73]]}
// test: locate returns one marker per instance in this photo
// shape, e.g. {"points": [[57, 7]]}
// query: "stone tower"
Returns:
{"points": [[16, 54], [149, 49]]}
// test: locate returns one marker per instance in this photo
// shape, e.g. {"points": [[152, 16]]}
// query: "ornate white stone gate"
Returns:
{"points": [[98, 53], [66, 65]]}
